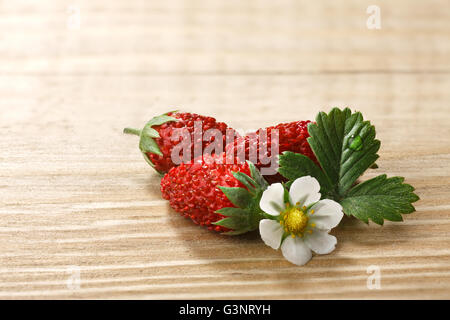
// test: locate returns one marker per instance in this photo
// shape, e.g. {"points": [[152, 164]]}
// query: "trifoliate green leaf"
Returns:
{"points": [[344, 145], [357, 157], [380, 198], [296, 165]]}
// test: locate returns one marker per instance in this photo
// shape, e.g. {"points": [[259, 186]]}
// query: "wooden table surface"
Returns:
{"points": [[81, 215]]}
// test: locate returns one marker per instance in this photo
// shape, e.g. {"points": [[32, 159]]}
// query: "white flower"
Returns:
{"points": [[302, 224]]}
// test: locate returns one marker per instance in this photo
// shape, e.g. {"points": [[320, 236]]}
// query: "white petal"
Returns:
{"points": [[296, 251], [272, 200], [327, 214], [271, 232], [304, 190], [321, 242]]}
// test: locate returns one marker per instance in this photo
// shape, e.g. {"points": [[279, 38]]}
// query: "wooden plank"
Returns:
{"points": [[76, 192], [76, 195], [223, 37]]}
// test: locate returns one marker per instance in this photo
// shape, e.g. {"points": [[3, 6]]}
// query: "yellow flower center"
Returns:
{"points": [[294, 220]]}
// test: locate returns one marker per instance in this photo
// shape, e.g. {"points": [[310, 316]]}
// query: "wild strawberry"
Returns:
{"points": [[162, 133], [221, 197], [292, 137]]}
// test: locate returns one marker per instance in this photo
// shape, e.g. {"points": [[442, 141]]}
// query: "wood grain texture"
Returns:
{"points": [[76, 192]]}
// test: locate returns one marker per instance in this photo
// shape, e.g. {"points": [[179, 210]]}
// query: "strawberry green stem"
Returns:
{"points": [[132, 131]]}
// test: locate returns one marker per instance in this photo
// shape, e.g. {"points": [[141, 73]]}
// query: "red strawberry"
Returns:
{"points": [[206, 191], [158, 138], [291, 137]]}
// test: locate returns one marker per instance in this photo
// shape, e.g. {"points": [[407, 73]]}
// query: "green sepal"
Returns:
{"points": [[233, 223], [246, 215], [246, 181], [232, 212], [150, 132], [147, 144], [159, 120], [257, 176], [238, 196]]}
